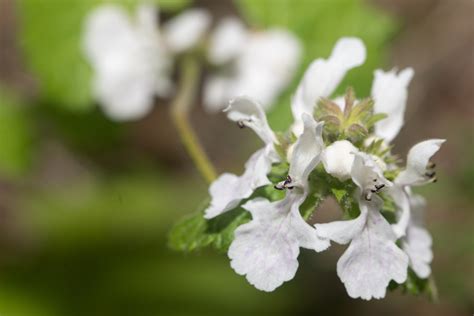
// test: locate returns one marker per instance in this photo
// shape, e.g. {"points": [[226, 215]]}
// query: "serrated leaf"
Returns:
{"points": [[195, 232]]}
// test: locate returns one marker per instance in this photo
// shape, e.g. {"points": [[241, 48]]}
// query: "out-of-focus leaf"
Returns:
{"points": [[319, 24], [15, 135], [51, 39], [173, 5], [195, 232]]}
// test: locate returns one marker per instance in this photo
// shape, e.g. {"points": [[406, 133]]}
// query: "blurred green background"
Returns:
{"points": [[86, 203]]}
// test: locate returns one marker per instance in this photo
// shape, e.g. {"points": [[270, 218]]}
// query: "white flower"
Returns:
{"points": [[418, 169], [260, 64], [389, 92], [372, 258], [266, 249], [338, 158], [228, 190], [417, 242], [129, 60], [184, 31], [324, 75]]}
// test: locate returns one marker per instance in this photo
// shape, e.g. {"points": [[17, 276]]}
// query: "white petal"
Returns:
{"points": [[400, 198], [228, 190], [266, 249], [366, 173], [343, 232], [372, 259], [389, 91], [338, 159], [323, 76], [186, 30], [307, 151], [227, 41], [417, 162], [250, 113], [417, 243]]}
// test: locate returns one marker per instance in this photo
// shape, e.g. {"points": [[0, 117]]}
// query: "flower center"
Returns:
{"points": [[286, 184], [373, 189]]}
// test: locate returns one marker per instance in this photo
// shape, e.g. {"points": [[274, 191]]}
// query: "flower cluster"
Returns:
{"points": [[133, 59], [336, 147]]}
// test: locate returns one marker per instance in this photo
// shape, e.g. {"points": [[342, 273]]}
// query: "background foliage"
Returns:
{"points": [[86, 204]]}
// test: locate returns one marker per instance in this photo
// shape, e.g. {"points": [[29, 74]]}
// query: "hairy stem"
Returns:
{"points": [[181, 106]]}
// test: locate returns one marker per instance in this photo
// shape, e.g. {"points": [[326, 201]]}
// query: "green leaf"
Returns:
{"points": [[15, 133], [195, 232]]}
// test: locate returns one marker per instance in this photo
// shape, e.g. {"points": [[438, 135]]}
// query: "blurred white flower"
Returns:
{"points": [[129, 61], [184, 31], [256, 64]]}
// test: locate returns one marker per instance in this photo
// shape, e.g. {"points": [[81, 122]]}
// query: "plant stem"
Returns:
{"points": [[180, 108]]}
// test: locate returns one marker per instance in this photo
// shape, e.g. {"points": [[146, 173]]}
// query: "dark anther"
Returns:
{"points": [[435, 180], [431, 165], [278, 187], [241, 124], [373, 191], [284, 185], [379, 187], [375, 180], [430, 174]]}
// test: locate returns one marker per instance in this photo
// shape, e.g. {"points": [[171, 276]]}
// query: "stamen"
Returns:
{"points": [[379, 187], [430, 174], [285, 184], [240, 124], [431, 165]]}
